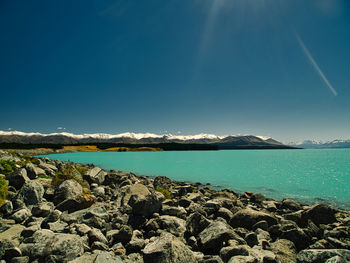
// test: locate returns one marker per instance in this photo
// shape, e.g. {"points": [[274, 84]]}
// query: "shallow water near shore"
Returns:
{"points": [[318, 175]]}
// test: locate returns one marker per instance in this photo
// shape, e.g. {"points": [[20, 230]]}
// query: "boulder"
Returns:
{"points": [[172, 224], [7, 208], [96, 175], [177, 211], [247, 218], [136, 243], [107, 257], [213, 237], [321, 255], [43, 209], [11, 237], [18, 178], [242, 259], [196, 223], [33, 171], [96, 235], [145, 205], [76, 203], [228, 252], [167, 248], [31, 193], [320, 214], [45, 243], [21, 215], [66, 190], [162, 182]]}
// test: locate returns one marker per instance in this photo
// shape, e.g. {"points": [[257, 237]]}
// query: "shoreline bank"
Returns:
{"points": [[87, 214]]}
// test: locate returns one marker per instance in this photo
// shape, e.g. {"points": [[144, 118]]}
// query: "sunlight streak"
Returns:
{"points": [[314, 64]]}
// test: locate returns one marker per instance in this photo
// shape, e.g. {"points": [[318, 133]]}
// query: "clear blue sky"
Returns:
{"points": [[275, 68]]}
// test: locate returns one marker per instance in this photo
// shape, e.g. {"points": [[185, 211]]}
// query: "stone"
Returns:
{"points": [[174, 211], [243, 259], [297, 236], [172, 224], [96, 175], [43, 209], [24, 259], [136, 243], [106, 257], [290, 205], [18, 178], [251, 239], [33, 171], [321, 255], [225, 213], [162, 182], [31, 193], [228, 252], [336, 259], [96, 235], [196, 223], [247, 218], [67, 190], [76, 203], [45, 243], [167, 248], [145, 205], [21, 215], [320, 214], [213, 237], [7, 208], [11, 237]]}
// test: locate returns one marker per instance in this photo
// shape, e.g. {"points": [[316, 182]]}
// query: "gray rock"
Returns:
{"points": [[290, 205], [225, 213], [106, 257], [136, 243], [145, 205], [96, 175], [212, 238], [174, 211], [320, 214], [21, 215], [251, 239], [336, 259], [321, 255], [68, 189], [64, 247], [43, 209], [297, 236], [76, 203], [33, 171], [31, 193], [196, 223], [11, 237], [228, 252], [96, 235], [247, 218], [243, 259], [167, 248], [58, 226], [172, 224], [24, 259], [18, 178]]}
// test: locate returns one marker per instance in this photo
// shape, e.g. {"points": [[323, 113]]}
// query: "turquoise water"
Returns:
{"points": [[304, 175]]}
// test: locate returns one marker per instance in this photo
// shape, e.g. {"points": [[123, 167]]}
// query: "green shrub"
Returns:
{"points": [[7, 167], [68, 172], [165, 192], [3, 190]]}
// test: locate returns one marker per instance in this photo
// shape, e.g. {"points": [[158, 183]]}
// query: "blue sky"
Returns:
{"points": [[190, 66]]}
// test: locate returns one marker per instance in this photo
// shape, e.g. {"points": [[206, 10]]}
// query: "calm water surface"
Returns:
{"points": [[304, 175]]}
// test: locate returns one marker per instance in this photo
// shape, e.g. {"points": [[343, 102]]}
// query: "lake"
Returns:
{"points": [[310, 175]]}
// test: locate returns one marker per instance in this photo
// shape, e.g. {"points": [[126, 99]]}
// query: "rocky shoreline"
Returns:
{"points": [[58, 211]]}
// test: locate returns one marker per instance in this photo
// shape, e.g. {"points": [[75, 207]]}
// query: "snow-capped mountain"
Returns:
{"points": [[338, 143], [65, 138]]}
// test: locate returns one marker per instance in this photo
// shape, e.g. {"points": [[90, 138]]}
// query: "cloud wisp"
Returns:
{"points": [[314, 64]]}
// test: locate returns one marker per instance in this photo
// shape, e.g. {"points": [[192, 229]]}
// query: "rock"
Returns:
{"points": [[18, 178], [33, 171], [225, 213], [284, 250], [336, 259], [31, 193], [196, 223], [321, 255], [96, 235], [212, 238], [242, 259], [11, 237], [7, 208], [172, 224], [174, 211], [24, 259], [262, 225], [76, 203], [247, 218], [228, 252], [290, 205], [58, 226], [145, 205], [167, 248], [320, 214], [136, 243], [63, 247], [96, 175], [263, 255], [82, 229], [21, 215], [99, 191], [122, 235], [211, 259], [85, 258], [67, 190], [297, 236], [43, 209], [162, 182], [106, 257]]}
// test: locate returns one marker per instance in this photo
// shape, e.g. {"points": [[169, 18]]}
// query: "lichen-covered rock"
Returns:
{"points": [[66, 190], [18, 178], [76, 203], [167, 248], [145, 205], [321, 255], [320, 214], [96, 175]]}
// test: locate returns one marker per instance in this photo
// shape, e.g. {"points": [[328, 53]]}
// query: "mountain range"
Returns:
{"points": [[313, 144], [220, 142]]}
